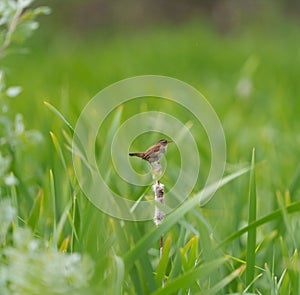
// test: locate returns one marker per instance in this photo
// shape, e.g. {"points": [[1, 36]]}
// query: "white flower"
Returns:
{"points": [[13, 91], [11, 180]]}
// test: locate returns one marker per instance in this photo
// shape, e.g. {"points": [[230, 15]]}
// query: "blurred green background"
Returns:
{"points": [[243, 56]]}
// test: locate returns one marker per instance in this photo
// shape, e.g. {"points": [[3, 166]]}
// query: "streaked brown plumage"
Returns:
{"points": [[153, 153]]}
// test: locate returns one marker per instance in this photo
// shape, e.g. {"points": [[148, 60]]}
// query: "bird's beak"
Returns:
{"points": [[169, 141]]}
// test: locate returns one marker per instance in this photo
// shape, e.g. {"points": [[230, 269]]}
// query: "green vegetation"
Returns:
{"points": [[246, 239]]}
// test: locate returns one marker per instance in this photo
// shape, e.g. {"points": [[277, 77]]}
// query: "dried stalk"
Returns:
{"points": [[159, 215]]}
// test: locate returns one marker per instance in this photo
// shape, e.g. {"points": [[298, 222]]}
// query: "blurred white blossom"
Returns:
{"points": [[11, 180], [19, 125], [13, 91], [28, 267], [4, 164], [7, 216]]}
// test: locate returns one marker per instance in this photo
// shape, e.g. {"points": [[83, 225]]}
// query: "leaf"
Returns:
{"points": [[32, 13], [62, 157], [64, 245], [55, 111], [295, 183], [277, 214], [163, 262], [75, 217], [292, 266], [105, 160], [53, 197], [139, 276], [177, 263], [189, 253], [251, 238], [286, 221], [118, 275], [58, 150], [61, 224], [188, 278], [36, 210], [223, 283], [75, 221], [42, 10], [23, 31]]}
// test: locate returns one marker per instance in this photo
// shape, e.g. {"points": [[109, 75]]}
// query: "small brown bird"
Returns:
{"points": [[154, 152]]}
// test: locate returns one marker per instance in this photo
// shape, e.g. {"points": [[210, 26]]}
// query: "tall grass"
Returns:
{"points": [[245, 239]]}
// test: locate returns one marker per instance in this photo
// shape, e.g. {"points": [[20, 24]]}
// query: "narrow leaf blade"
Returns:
{"points": [[251, 239]]}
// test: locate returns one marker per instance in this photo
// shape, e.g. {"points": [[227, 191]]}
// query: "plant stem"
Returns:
{"points": [[10, 30]]}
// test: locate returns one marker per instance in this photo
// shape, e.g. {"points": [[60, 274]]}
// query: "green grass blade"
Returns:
{"points": [[14, 198], [118, 267], [105, 160], [295, 183], [277, 214], [285, 217], [75, 221], [57, 229], [79, 154], [120, 234], [75, 229], [36, 210], [223, 283], [177, 263], [53, 197], [194, 252], [163, 262], [58, 113], [61, 223], [75, 218], [146, 242], [295, 281], [270, 277], [284, 284], [188, 278], [189, 253], [61, 156], [292, 266], [125, 236], [251, 238], [288, 270]]}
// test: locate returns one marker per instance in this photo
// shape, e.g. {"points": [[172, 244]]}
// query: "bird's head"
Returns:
{"points": [[164, 141]]}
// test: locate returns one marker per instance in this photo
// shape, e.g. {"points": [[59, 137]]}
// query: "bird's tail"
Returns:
{"points": [[140, 155]]}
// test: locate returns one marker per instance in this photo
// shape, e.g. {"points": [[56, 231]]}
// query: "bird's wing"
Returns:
{"points": [[151, 150]]}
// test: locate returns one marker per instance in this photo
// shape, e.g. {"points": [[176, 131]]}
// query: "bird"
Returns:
{"points": [[154, 152]]}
